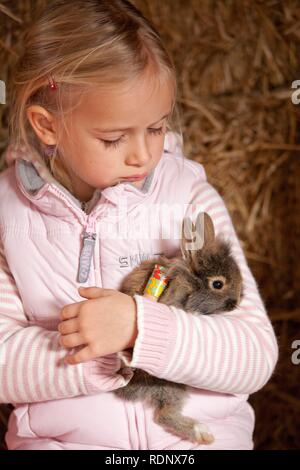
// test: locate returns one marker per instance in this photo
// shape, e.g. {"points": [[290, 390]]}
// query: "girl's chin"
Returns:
{"points": [[138, 184]]}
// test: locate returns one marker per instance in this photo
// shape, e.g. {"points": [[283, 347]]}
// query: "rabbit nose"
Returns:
{"points": [[230, 304]]}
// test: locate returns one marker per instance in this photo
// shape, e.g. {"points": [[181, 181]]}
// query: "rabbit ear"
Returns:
{"points": [[194, 237], [209, 231]]}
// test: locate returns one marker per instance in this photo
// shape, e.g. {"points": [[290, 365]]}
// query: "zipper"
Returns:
{"points": [[84, 206], [68, 202], [89, 237]]}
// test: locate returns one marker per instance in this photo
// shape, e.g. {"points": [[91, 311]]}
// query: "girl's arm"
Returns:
{"points": [[232, 352], [31, 359]]}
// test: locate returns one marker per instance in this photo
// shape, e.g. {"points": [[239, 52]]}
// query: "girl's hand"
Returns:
{"points": [[105, 324]]}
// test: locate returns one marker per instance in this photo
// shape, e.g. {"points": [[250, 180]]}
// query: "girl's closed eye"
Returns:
{"points": [[116, 143]]}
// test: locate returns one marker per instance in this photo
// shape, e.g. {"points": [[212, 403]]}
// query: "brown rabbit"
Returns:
{"points": [[207, 280]]}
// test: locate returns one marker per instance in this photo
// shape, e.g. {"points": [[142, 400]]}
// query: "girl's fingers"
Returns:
{"points": [[94, 292], [85, 354], [68, 326], [71, 341], [69, 311]]}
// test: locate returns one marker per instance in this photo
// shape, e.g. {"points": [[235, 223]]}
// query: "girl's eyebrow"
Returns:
{"points": [[128, 128]]}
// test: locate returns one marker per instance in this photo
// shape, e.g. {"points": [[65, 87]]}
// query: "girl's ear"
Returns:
{"points": [[43, 124]]}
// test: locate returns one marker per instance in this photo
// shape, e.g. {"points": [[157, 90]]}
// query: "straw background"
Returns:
{"points": [[236, 61]]}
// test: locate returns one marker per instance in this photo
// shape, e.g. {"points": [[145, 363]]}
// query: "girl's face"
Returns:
{"points": [[116, 134]]}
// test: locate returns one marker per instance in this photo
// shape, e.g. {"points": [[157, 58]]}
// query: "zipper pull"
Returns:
{"points": [[89, 240]]}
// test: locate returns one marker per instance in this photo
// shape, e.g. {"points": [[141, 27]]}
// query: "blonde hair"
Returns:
{"points": [[90, 43]]}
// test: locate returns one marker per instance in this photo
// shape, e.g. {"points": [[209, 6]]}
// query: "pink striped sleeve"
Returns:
{"points": [[230, 352], [31, 359]]}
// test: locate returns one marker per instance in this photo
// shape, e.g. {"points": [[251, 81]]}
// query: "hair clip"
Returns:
{"points": [[52, 83]]}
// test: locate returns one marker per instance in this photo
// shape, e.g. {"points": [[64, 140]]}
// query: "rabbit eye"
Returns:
{"points": [[217, 282]]}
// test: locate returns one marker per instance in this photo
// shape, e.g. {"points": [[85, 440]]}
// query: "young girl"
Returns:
{"points": [[93, 106]]}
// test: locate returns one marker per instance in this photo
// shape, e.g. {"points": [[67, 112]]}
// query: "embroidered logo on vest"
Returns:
{"points": [[134, 260]]}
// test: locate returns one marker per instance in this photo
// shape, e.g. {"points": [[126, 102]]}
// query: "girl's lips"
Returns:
{"points": [[136, 178]]}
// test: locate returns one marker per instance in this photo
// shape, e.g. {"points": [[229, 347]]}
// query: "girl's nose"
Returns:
{"points": [[139, 154]]}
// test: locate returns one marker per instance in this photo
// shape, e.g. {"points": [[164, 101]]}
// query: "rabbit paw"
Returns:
{"points": [[202, 434]]}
